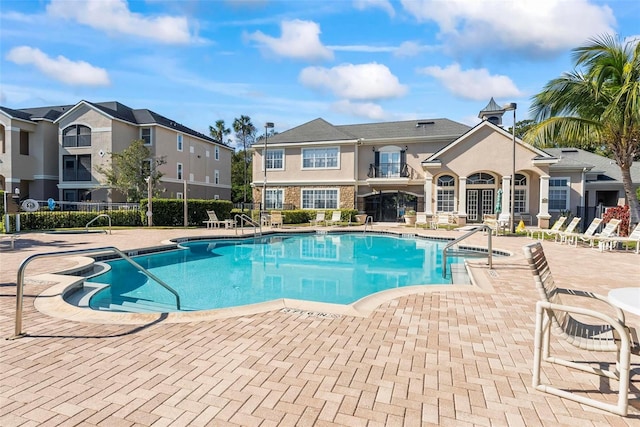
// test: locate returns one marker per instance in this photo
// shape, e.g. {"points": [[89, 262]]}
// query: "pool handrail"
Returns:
{"points": [[112, 249], [368, 220], [86, 227], [244, 219], [482, 227]]}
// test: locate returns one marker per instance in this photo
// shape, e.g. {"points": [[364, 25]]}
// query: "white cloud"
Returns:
{"points": [[114, 17], [380, 4], [299, 40], [411, 48], [360, 109], [74, 73], [475, 84], [363, 81], [535, 27]]}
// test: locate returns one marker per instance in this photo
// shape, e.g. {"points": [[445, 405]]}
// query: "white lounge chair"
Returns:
{"points": [[336, 218], [441, 220], [421, 219], [561, 234], [634, 237], [609, 333], [586, 236], [531, 232], [319, 218], [213, 220]]}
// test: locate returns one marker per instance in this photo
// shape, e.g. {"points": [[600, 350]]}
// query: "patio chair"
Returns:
{"points": [[276, 219], [609, 333], [421, 219], [213, 220], [531, 232], [11, 239], [586, 236], [441, 219], [634, 237], [560, 235], [336, 218], [319, 218]]}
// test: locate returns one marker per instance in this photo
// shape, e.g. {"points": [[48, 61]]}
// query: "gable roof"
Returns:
{"points": [[604, 167], [319, 130], [140, 117], [38, 113], [540, 154]]}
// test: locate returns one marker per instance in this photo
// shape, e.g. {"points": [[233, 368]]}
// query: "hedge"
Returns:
{"points": [[170, 212], [300, 216]]}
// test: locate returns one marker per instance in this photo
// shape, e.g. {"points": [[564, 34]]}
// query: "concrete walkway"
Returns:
{"points": [[443, 357]]}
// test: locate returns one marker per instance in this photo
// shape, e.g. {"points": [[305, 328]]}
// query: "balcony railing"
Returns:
{"points": [[391, 170]]}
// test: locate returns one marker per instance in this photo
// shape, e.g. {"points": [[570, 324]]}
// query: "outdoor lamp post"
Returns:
{"points": [[267, 125], [149, 204], [512, 208]]}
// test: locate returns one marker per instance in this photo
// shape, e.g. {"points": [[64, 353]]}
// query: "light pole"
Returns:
{"points": [[149, 204], [512, 208], [267, 125]]}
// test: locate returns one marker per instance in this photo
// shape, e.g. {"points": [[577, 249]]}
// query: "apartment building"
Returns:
{"points": [[431, 165], [54, 152]]}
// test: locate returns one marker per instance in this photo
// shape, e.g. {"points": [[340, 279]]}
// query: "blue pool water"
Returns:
{"points": [[334, 268]]}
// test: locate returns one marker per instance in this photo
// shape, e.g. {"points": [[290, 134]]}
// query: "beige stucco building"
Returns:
{"points": [[432, 166], [55, 152]]}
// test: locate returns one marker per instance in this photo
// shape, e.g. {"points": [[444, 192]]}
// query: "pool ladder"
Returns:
{"points": [[107, 249], [368, 220], [242, 219], [484, 228], [86, 227]]}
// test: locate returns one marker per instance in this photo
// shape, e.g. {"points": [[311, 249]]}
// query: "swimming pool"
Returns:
{"points": [[338, 268]]}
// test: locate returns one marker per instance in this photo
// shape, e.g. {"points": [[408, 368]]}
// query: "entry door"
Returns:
{"points": [[479, 202]]}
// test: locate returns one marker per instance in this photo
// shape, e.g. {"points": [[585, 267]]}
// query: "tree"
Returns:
{"points": [[219, 131], [238, 189], [130, 168], [245, 132], [598, 105], [522, 127]]}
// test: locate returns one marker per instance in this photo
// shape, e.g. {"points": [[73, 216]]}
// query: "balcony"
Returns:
{"points": [[391, 174]]}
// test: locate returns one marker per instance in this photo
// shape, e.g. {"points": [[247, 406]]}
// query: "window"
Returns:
{"points": [[275, 159], [389, 164], [320, 158], [207, 153], [481, 178], [76, 168], [216, 197], [446, 194], [179, 142], [24, 143], [559, 194], [217, 153], [320, 199], [520, 194], [145, 135], [216, 177], [274, 198], [76, 136], [179, 171]]}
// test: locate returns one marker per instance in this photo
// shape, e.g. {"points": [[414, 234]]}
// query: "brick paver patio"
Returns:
{"points": [[446, 358]]}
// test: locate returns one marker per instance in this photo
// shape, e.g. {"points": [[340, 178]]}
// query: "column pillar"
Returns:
{"points": [[506, 194], [428, 194], [462, 201], [543, 214]]}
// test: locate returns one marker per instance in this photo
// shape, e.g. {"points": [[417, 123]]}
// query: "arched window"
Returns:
{"points": [[520, 193], [446, 191], [76, 136], [481, 178]]}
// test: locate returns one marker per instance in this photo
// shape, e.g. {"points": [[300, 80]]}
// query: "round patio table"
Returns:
{"points": [[627, 299]]}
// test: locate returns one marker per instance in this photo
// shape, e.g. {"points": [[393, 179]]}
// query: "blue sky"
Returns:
{"points": [[289, 62]]}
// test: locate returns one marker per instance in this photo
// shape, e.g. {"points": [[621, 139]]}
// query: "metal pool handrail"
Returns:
{"points": [[246, 219], [112, 249], [368, 220], [86, 227], [461, 238]]}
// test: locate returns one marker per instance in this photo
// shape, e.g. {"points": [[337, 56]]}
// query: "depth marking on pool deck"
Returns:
{"points": [[310, 313]]}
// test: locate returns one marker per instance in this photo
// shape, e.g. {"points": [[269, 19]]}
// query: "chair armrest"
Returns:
{"points": [[621, 328], [584, 294]]}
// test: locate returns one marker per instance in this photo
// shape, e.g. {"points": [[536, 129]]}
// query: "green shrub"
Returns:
{"points": [[170, 212], [44, 220]]}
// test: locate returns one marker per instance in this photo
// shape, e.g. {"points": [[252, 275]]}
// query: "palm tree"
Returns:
{"points": [[598, 105], [219, 131], [244, 129]]}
